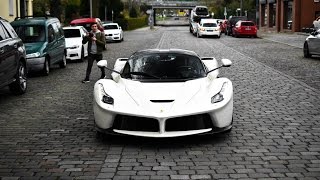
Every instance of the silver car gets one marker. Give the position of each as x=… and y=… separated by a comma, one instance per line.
x=312, y=44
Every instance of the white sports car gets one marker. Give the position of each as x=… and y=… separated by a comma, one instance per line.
x=163, y=93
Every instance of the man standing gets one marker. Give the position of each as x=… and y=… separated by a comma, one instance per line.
x=96, y=45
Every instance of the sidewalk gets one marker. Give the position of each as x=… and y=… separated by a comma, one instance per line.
x=292, y=39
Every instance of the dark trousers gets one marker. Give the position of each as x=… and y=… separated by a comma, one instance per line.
x=91, y=58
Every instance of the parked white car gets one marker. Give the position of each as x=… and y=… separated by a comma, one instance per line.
x=113, y=32
x=208, y=27
x=75, y=49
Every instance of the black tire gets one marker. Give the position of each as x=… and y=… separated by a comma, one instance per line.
x=19, y=86
x=82, y=55
x=306, y=52
x=46, y=67
x=63, y=63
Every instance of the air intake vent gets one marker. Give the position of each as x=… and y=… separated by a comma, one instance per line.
x=161, y=101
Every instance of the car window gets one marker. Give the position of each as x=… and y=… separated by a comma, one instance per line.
x=11, y=31
x=209, y=25
x=201, y=11
x=51, y=35
x=87, y=26
x=3, y=33
x=31, y=33
x=56, y=27
x=106, y=27
x=247, y=24
x=164, y=66
x=71, y=33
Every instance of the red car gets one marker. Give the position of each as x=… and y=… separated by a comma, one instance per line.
x=87, y=22
x=245, y=28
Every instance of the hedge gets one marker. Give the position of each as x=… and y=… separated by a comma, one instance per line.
x=133, y=23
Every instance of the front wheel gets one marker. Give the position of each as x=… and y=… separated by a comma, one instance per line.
x=19, y=86
x=306, y=52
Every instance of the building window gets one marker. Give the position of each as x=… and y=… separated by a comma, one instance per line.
x=273, y=14
x=10, y=7
x=287, y=15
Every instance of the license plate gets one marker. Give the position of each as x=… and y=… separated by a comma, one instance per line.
x=209, y=30
x=248, y=28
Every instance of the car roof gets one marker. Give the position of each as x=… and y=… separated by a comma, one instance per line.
x=164, y=51
x=84, y=20
x=209, y=20
x=34, y=21
x=73, y=27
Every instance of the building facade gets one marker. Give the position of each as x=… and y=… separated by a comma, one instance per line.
x=287, y=15
x=11, y=9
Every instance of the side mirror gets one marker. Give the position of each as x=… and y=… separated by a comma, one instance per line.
x=102, y=63
x=226, y=62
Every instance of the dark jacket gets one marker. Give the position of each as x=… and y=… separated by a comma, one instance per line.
x=101, y=42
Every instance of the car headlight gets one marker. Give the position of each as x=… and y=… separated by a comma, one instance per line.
x=74, y=47
x=33, y=55
x=219, y=96
x=106, y=98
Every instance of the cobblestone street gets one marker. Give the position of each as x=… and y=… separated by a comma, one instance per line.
x=48, y=133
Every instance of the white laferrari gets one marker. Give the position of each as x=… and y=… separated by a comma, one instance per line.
x=164, y=93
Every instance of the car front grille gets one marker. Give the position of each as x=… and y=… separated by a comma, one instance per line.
x=195, y=122
x=131, y=123
x=187, y=123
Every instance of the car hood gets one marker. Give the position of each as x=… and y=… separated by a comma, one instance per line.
x=111, y=31
x=167, y=97
x=34, y=47
x=73, y=41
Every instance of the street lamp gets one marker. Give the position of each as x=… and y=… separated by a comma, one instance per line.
x=90, y=8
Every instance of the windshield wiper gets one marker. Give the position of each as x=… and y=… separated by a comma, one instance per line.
x=142, y=74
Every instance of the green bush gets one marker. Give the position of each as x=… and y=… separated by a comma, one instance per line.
x=133, y=23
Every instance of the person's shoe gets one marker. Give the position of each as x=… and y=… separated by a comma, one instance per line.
x=85, y=81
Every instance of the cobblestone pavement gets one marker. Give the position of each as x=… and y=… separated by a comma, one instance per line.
x=293, y=39
x=48, y=132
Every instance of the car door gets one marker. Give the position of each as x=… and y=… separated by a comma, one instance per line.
x=60, y=40
x=52, y=48
x=8, y=48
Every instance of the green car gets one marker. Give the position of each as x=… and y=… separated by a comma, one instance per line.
x=44, y=41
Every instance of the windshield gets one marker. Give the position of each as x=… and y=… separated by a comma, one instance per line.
x=201, y=11
x=209, y=25
x=87, y=26
x=163, y=67
x=106, y=27
x=71, y=33
x=31, y=33
x=247, y=23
